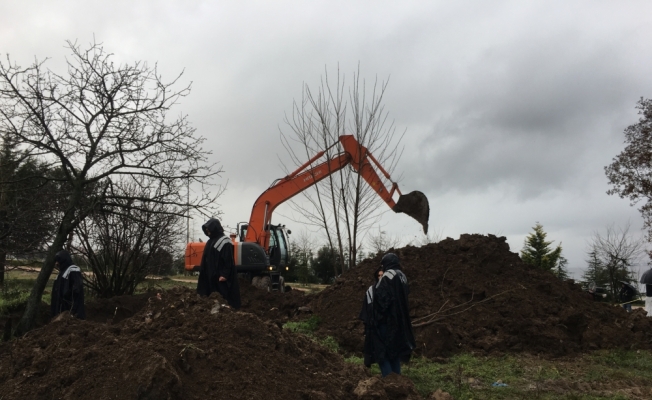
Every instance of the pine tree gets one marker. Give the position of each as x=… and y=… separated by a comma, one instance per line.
x=27, y=205
x=595, y=273
x=560, y=270
x=537, y=251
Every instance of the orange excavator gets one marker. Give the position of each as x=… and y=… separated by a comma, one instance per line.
x=261, y=250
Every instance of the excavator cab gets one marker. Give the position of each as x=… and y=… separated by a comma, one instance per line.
x=279, y=244
x=279, y=256
x=279, y=249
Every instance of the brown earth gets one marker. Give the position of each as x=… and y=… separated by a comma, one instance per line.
x=177, y=346
x=472, y=293
x=480, y=297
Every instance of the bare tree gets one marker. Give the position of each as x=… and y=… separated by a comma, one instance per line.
x=613, y=255
x=122, y=244
x=630, y=173
x=382, y=241
x=101, y=124
x=343, y=206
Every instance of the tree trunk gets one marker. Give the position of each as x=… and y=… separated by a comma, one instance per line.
x=67, y=225
x=34, y=300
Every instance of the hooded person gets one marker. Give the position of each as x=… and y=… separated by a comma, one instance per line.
x=217, y=272
x=626, y=295
x=367, y=316
x=68, y=288
x=392, y=317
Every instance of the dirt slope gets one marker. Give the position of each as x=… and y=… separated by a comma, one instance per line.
x=180, y=346
x=488, y=300
x=175, y=347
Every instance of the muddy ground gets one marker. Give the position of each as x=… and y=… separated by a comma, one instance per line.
x=177, y=346
x=474, y=294
x=470, y=294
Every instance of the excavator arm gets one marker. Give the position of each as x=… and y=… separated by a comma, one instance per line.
x=414, y=204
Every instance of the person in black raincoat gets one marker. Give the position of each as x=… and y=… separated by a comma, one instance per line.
x=68, y=288
x=626, y=295
x=217, y=272
x=367, y=317
x=392, y=317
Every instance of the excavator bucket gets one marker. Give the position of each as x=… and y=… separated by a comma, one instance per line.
x=415, y=204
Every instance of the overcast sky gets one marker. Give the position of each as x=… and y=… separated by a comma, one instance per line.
x=511, y=108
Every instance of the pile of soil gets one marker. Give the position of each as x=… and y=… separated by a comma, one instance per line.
x=273, y=306
x=480, y=297
x=177, y=346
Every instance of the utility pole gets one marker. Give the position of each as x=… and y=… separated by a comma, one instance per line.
x=188, y=211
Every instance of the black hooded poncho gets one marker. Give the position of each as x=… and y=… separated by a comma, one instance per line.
x=217, y=261
x=68, y=288
x=391, y=309
x=371, y=334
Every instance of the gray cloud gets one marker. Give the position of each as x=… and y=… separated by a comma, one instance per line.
x=511, y=108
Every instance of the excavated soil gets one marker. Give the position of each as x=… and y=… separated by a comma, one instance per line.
x=176, y=346
x=470, y=294
x=476, y=295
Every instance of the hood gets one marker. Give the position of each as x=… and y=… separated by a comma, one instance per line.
x=376, y=273
x=64, y=260
x=214, y=226
x=390, y=261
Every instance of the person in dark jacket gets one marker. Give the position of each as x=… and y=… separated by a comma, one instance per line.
x=68, y=288
x=217, y=272
x=392, y=317
x=648, y=300
x=367, y=317
x=626, y=295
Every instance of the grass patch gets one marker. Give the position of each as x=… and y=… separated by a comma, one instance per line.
x=308, y=328
x=329, y=342
x=13, y=294
x=602, y=375
x=163, y=284
x=310, y=288
x=16, y=289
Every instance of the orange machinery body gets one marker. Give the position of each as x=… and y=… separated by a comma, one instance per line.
x=354, y=154
x=247, y=257
x=258, y=231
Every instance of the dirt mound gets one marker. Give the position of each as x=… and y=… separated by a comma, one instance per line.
x=178, y=346
x=394, y=387
x=474, y=294
x=273, y=306
x=9, y=321
x=117, y=308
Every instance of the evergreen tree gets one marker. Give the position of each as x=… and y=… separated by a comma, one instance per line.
x=299, y=266
x=595, y=273
x=561, y=270
x=323, y=264
x=28, y=204
x=538, y=253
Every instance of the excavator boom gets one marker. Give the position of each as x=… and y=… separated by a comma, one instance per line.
x=414, y=204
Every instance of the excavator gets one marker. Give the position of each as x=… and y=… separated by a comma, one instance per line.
x=261, y=250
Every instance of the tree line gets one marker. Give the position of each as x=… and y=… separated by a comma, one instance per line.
x=613, y=254
x=92, y=161
x=93, y=154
